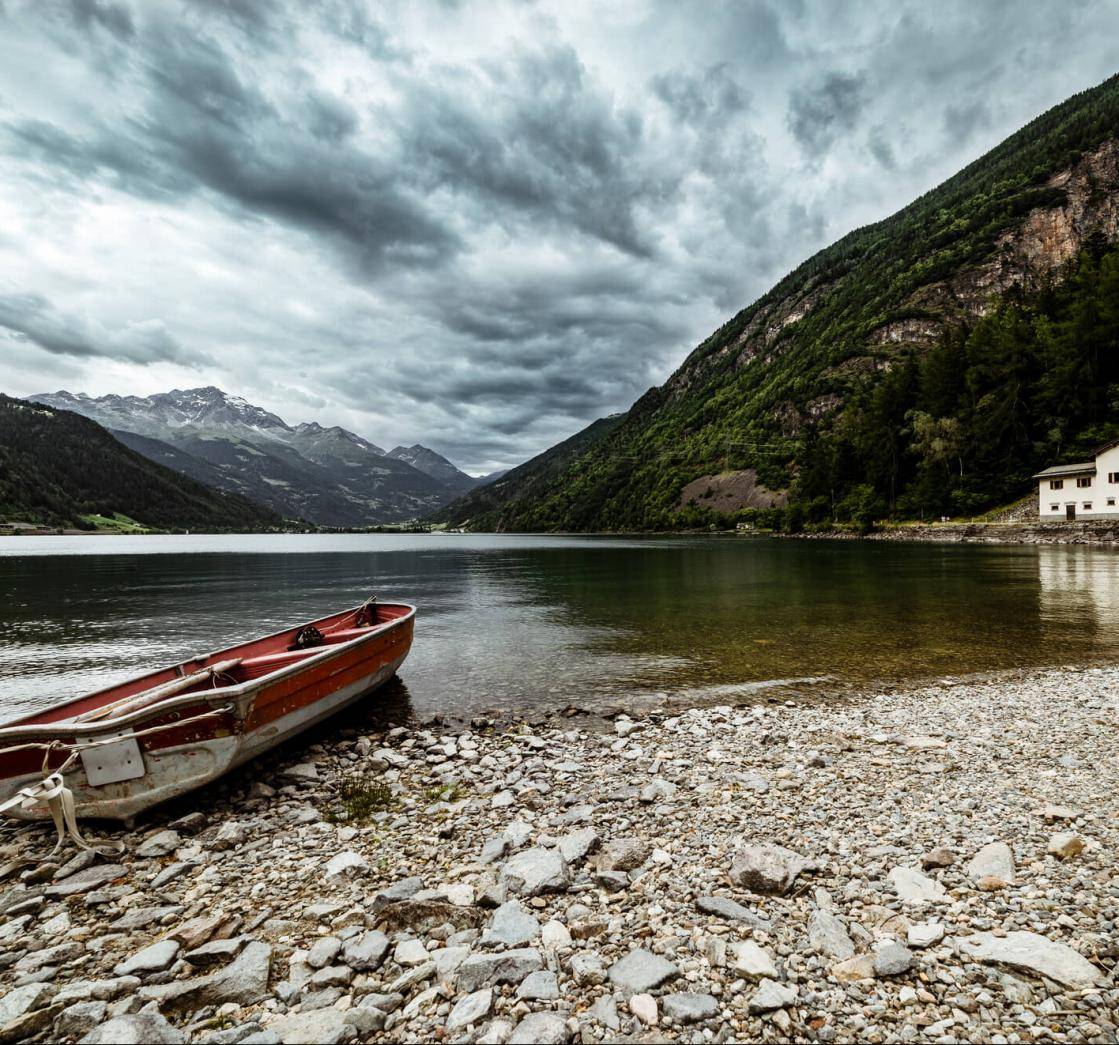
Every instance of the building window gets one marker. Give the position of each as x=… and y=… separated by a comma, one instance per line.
x=1056, y=484
x=1057, y=507
x=1111, y=502
x=1084, y=481
x=1087, y=506
x=1113, y=477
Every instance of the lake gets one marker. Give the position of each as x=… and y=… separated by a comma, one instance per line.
x=516, y=622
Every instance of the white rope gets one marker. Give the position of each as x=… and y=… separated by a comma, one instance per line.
x=59, y=798
x=60, y=801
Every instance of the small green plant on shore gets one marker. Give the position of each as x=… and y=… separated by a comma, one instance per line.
x=359, y=798
x=444, y=793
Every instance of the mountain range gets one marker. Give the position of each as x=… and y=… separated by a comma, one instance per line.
x=63, y=470
x=325, y=475
x=923, y=365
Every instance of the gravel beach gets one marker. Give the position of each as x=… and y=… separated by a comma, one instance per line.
x=930, y=865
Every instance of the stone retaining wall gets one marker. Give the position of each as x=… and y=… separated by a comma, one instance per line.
x=1099, y=532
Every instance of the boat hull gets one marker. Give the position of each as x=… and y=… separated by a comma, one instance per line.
x=193, y=740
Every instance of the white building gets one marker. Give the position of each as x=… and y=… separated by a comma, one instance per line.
x=1086, y=490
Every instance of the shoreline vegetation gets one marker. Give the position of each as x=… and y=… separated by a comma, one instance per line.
x=1096, y=532
x=934, y=863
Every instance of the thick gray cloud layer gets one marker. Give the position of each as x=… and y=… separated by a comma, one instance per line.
x=475, y=225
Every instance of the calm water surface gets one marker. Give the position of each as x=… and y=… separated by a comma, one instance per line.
x=522, y=621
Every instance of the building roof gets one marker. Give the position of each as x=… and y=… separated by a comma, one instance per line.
x=1081, y=468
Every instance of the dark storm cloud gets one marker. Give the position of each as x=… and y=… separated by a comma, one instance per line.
x=116, y=18
x=551, y=150
x=475, y=225
x=205, y=126
x=33, y=318
x=822, y=110
x=714, y=95
x=962, y=121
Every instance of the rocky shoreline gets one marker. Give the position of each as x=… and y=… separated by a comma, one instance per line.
x=936, y=864
x=1097, y=532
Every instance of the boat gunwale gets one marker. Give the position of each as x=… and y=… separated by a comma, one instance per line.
x=218, y=695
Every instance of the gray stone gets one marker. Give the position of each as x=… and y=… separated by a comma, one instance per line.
x=892, y=959
x=731, y=910
x=84, y=881
x=772, y=995
x=22, y=1000
x=910, y=884
x=323, y=951
x=751, y=961
x=320, y=1027
x=366, y=951
x=216, y=952
x=1065, y=845
x=536, y=871
x=587, y=969
x=142, y=917
x=496, y=1032
x=493, y=849
x=154, y=958
x=925, y=934
x=511, y=926
x=827, y=935
x=605, y=1011
x=1026, y=950
x=623, y=854
x=539, y=986
x=190, y=824
x=140, y=1028
x=578, y=844
x=470, y=1009
x=161, y=844
x=689, y=1008
x=488, y=970
x=80, y=1018
x=244, y=981
x=641, y=971
x=230, y=835
x=767, y=869
x=613, y=881
x=996, y=860
x=170, y=873
x=301, y=773
x=541, y=1028
x=346, y=865
x=410, y=952
x=405, y=889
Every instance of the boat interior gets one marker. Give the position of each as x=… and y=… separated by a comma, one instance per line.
x=226, y=667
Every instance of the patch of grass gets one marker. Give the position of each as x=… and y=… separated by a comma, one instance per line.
x=445, y=793
x=358, y=799
x=116, y=523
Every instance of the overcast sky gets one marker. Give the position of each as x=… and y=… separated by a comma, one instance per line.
x=474, y=225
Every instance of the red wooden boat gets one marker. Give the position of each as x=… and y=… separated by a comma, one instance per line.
x=124, y=749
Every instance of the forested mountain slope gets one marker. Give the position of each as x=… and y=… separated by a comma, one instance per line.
x=56, y=466
x=925, y=364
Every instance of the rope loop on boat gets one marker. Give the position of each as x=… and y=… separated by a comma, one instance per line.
x=59, y=799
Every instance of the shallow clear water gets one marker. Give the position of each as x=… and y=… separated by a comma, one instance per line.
x=524, y=621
